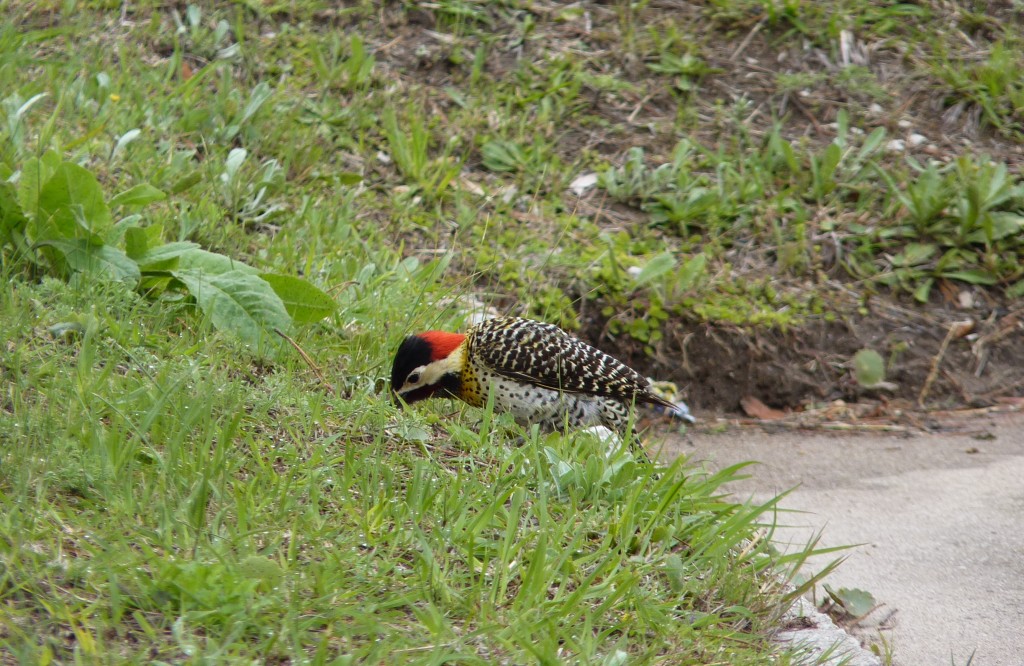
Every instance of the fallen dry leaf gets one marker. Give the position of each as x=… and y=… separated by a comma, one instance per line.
x=757, y=409
x=961, y=328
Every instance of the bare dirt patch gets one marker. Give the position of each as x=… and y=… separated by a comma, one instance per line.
x=978, y=364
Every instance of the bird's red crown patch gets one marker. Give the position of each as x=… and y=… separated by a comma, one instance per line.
x=442, y=343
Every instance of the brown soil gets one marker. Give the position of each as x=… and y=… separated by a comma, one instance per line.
x=974, y=359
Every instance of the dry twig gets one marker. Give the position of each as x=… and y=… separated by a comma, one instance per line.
x=956, y=330
x=309, y=361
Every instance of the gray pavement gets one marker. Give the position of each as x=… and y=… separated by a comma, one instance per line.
x=940, y=517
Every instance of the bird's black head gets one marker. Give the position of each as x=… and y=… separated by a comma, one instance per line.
x=413, y=353
x=421, y=368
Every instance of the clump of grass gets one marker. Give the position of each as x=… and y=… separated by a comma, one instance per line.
x=992, y=84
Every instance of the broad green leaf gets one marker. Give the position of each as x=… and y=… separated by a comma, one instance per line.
x=856, y=602
x=239, y=302
x=431, y=271
x=154, y=235
x=655, y=268
x=924, y=290
x=260, y=94
x=868, y=368
x=1016, y=290
x=305, y=303
x=135, y=242
x=116, y=234
x=972, y=276
x=66, y=329
x=998, y=189
x=164, y=257
x=11, y=216
x=185, y=182
x=1003, y=224
x=140, y=195
x=823, y=169
x=871, y=144
x=414, y=433
x=232, y=164
x=914, y=254
x=348, y=178
x=34, y=175
x=189, y=256
x=261, y=568
x=691, y=271
x=212, y=262
x=71, y=205
x=502, y=156
x=140, y=240
x=84, y=256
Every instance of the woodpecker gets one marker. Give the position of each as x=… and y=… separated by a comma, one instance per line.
x=537, y=371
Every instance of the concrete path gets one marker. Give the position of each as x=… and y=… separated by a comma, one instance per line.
x=941, y=518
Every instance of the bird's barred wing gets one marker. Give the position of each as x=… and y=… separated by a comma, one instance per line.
x=545, y=355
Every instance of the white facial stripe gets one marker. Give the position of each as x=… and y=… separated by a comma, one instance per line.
x=412, y=386
x=431, y=373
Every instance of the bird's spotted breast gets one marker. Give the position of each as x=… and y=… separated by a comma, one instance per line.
x=551, y=409
x=472, y=391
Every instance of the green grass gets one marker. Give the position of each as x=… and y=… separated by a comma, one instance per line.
x=166, y=498
x=170, y=492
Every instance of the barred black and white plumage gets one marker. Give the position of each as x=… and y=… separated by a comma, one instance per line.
x=536, y=371
x=544, y=355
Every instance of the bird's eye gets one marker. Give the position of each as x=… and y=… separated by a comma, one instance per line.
x=414, y=378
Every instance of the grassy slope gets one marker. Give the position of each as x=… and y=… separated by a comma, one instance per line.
x=164, y=498
x=167, y=495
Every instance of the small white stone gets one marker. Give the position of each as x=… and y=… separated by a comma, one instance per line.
x=916, y=139
x=904, y=124
x=896, y=146
x=583, y=183
x=876, y=109
x=508, y=193
x=852, y=129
